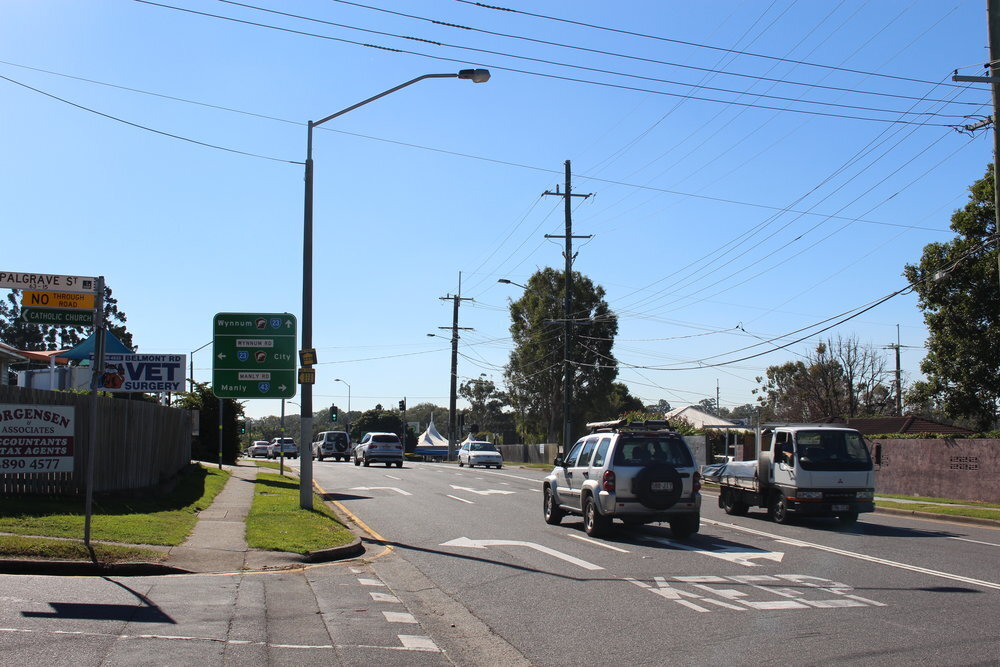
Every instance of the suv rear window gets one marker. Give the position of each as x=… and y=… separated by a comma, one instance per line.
x=336, y=437
x=386, y=438
x=642, y=450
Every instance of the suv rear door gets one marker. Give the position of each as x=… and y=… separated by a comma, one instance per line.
x=579, y=472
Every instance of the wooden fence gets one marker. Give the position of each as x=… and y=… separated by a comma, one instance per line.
x=139, y=444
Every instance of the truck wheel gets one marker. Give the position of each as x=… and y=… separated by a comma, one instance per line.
x=685, y=526
x=594, y=523
x=779, y=508
x=848, y=518
x=553, y=513
x=732, y=506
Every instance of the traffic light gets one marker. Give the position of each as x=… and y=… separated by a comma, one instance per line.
x=333, y=413
x=402, y=405
x=243, y=428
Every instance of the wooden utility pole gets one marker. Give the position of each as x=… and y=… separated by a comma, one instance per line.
x=453, y=395
x=567, y=306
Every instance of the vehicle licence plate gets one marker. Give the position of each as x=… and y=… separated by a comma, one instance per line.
x=840, y=508
x=661, y=486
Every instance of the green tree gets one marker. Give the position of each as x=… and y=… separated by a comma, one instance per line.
x=486, y=403
x=38, y=337
x=376, y=419
x=534, y=373
x=839, y=378
x=957, y=284
x=617, y=402
x=660, y=407
x=205, y=446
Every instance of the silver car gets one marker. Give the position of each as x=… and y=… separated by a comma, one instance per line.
x=639, y=472
x=474, y=453
x=283, y=447
x=332, y=444
x=380, y=448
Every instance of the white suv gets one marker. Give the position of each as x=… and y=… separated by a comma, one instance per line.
x=639, y=472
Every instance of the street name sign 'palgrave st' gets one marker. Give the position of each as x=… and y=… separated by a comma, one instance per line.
x=253, y=355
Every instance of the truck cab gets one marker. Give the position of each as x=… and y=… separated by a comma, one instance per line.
x=816, y=469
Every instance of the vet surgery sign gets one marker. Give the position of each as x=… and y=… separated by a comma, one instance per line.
x=36, y=438
x=143, y=372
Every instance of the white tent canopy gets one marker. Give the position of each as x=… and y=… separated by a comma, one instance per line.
x=431, y=437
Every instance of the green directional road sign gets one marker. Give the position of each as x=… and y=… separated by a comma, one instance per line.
x=68, y=316
x=253, y=355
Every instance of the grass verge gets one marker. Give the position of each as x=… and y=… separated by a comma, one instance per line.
x=277, y=523
x=946, y=501
x=945, y=510
x=163, y=520
x=38, y=548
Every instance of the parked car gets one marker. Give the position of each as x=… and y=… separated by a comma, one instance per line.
x=380, y=448
x=258, y=448
x=333, y=444
x=475, y=453
x=283, y=447
x=639, y=472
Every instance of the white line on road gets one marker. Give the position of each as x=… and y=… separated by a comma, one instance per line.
x=487, y=492
x=740, y=555
x=398, y=479
x=482, y=544
x=462, y=500
x=377, y=488
x=859, y=556
x=600, y=544
x=965, y=539
x=399, y=617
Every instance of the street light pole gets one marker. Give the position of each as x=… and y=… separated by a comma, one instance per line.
x=348, y=420
x=305, y=472
x=191, y=363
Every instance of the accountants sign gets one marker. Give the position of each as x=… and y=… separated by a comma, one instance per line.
x=36, y=438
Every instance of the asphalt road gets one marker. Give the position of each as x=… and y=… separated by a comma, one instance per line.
x=889, y=590
x=474, y=576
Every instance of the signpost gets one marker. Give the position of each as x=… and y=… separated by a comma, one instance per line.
x=36, y=438
x=57, y=299
x=253, y=355
x=46, y=281
x=62, y=316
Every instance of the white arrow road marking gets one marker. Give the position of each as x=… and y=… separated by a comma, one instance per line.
x=376, y=488
x=739, y=555
x=482, y=544
x=482, y=493
x=463, y=500
x=859, y=556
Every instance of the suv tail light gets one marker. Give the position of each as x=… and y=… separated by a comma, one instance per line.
x=608, y=481
x=696, y=484
x=372, y=445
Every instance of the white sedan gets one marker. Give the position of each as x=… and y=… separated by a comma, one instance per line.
x=474, y=453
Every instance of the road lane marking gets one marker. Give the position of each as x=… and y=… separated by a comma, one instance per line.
x=739, y=555
x=462, y=500
x=381, y=488
x=370, y=582
x=418, y=643
x=965, y=539
x=600, y=544
x=482, y=544
x=486, y=492
x=399, y=617
x=384, y=597
x=859, y=556
x=398, y=479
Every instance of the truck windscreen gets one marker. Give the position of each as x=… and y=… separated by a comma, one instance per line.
x=832, y=450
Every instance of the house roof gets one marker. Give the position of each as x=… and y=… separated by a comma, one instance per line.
x=8, y=353
x=43, y=356
x=698, y=418
x=904, y=424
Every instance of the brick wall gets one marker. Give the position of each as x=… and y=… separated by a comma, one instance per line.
x=964, y=469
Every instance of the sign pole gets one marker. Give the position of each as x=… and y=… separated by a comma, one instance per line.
x=97, y=367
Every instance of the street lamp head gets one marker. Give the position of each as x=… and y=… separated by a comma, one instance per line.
x=475, y=75
x=504, y=281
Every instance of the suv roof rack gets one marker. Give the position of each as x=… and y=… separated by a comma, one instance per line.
x=625, y=425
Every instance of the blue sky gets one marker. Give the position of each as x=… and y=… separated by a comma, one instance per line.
x=757, y=168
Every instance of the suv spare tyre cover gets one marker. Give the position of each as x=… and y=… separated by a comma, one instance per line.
x=660, y=499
